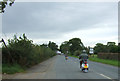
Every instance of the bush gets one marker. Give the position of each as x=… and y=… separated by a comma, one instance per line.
x=77, y=53
x=10, y=69
x=24, y=52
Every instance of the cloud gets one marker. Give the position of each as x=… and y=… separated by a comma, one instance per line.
x=53, y=20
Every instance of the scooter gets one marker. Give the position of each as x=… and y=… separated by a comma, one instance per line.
x=85, y=66
x=66, y=58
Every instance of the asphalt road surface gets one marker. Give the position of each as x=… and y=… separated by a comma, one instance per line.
x=59, y=68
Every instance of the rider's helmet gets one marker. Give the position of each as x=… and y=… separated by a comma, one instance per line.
x=84, y=51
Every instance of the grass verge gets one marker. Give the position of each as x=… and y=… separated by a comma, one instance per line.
x=73, y=56
x=8, y=69
x=104, y=61
x=15, y=68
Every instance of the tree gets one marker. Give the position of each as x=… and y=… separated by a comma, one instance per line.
x=53, y=46
x=4, y=3
x=64, y=47
x=75, y=44
x=112, y=48
x=109, y=48
x=100, y=48
x=110, y=43
x=77, y=52
x=18, y=47
x=24, y=52
x=44, y=45
x=72, y=45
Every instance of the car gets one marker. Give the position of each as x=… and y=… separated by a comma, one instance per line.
x=59, y=53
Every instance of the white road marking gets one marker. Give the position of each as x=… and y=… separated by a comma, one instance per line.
x=106, y=76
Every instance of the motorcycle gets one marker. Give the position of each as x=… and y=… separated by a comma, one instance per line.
x=66, y=58
x=85, y=66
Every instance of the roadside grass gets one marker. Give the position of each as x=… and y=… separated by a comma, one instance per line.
x=73, y=56
x=11, y=69
x=93, y=55
x=104, y=61
x=14, y=68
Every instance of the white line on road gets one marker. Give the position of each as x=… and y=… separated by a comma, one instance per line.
x=106, y=76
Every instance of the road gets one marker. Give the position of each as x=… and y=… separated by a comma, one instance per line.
x=59, y=68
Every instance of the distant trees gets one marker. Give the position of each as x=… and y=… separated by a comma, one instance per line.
x=75, y=44
x=71, y=46
x=53, y=46
x=99, y=48
x=112, y=47
x=64, y=47
x=109, y=48
x=44, y=45
x=74, y=47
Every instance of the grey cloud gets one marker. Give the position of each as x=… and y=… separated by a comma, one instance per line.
x=50, y=19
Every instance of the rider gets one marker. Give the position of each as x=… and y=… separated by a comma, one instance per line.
x=82, y=57
x=66, y=56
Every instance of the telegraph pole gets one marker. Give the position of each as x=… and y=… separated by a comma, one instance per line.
x=6, y=48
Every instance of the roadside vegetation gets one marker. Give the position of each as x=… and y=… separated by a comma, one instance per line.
x=109, y=52
x=11, y=69
x=22, y=54
x=105, y=61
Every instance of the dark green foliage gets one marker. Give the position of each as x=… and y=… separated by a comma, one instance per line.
x=64, y=47
x=15, y=68
x=24, y=52
x=75, y=44
x=53, y=46
x=72, y=46
x=4, y=3
x=44, y=45
x=110, y=43
x=20, y=49
x=109, y=48
x=77, y=52
x=100, y=48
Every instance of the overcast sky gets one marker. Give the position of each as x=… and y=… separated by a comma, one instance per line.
x=92, y=22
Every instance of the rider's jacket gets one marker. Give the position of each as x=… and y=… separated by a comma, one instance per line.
x=83, y=56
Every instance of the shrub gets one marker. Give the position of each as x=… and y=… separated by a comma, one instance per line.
x=77, y=53
x=24, y=52
x=10, y=69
